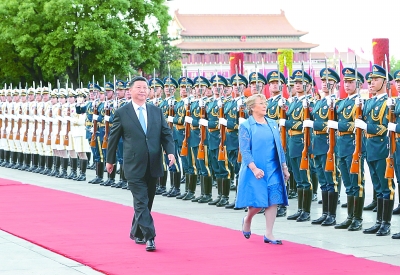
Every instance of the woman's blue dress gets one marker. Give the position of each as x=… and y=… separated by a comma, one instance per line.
x=258, y=143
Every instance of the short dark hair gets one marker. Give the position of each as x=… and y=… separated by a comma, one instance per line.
x=137, y=78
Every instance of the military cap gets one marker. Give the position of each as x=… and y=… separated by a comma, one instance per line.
x=239, y=78
x=72, y=93
x=202, y=81
x=31, y=91
x=332, y=74
x=94, y=87
x=297, y=76
x=8, y=92
x=62, y=93
x=378, y=71
x=84, y=92
x=254, y=77
x=185, y=81
x=368, y=77
x=119, y=85
x=23, y=92
x=15, y=92
x=169, y=81
x=218, y=79
x=54, y=93
x=45, y=91
x=156, y=82
x=273, y=76
x=109, y=86
x=290, y=81
x=396, y=75
x=350, y=74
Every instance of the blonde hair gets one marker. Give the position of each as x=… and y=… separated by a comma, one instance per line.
x=251, y=100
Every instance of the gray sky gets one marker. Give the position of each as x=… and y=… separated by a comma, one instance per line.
x=342, y=24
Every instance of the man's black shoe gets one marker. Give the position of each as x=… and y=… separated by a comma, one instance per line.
x=150, y=245
x=139, y=241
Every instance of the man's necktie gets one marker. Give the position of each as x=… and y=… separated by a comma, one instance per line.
x=141, y=119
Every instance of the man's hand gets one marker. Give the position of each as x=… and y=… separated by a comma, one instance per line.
x=171, y=158
x=109, y=167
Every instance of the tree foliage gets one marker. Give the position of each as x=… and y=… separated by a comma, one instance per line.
x=394, y=64
x=45, y=40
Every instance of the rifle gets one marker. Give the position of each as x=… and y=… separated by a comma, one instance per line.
x=184, y=150
x=330, y=163
x=241, y=110
x=66, y=137
x=221, y=150
x=59, y=126
x=355, y=162
x=50, y=125
x=41, y=140
x=93, y=139
x=28, y=112
x=389, y=172
x=282, y=111
x=201, y=152
x=304, y=165
x=107, y=128
x=11, y=136
x=34, y=137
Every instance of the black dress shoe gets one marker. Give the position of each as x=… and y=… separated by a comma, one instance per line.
x=396, y=236
x=139, y=241
x=150, y=245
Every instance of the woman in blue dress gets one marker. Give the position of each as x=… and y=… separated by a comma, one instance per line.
x=263, y=171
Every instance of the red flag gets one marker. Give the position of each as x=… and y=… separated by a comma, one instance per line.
x=342, y=92
x=336, y=52
x=350, y=50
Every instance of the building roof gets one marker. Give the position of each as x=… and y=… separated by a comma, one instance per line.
x=228, y=46
x=235, y=24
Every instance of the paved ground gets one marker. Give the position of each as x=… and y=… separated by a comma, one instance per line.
x=21, y=257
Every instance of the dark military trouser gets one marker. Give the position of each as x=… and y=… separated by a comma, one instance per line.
x=354, y=183
x=302, y=177
x=327, y=180
x=202, y=165
x=384, y=188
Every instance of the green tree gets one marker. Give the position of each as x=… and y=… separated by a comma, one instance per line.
x=394, y=64
x=46, y=40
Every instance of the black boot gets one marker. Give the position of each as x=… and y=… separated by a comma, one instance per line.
x=350, y=214
x=192, y=188
x=372, y=205
x=379, y=211
x=13, y=162
x=41, y=164
x=201, y=178
x=56, y=170
x=332, y=206
x=27, y=162
x=280, y=211
x=183, y=179
x=23, y=162
x=182, y=195
x=171, y=184
x=356, y=224
x=208, y=183
x=35, y=163
x=219, y=187
x=111, y=177
x=64, y=168
x=96, y=177
x=108, y=179
x=6, y=159
x=1, y=156
x=305, y=214
x=18, y=161
x=82, y=175
x=74, y=168
x=384, y=230
x=226, y=188
x=324, y=209
x=99, y=173
x=300, y=197
x=396, y=211
x=163, y=184
x=176, y=191
x=314, y=182
x=232, y=205
x=89, y=158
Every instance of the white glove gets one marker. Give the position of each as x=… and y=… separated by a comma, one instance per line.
x=391, y=126
x=67, y=118
x=106, y=118
x=281, y=102
x=359, y=101
x=186, y=101
x=95, y=117
x=241, y=120
x=170, y=119
x=305, y=103
x=201, y=102
x=390, y=102
x=223, y=121
x=91, y=130
x=329, y=101
x=358, y=123
x=333, y=124
x=79, y=100
x=203, y=122
x=171, y=101
x=219, y=103
x=239, y=102
x=308, y=123
x=188, y=119
x=282, y=122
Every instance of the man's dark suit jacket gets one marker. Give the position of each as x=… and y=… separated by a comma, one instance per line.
x=140, y=148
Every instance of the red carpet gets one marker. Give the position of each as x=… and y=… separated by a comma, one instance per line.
x=96, y=233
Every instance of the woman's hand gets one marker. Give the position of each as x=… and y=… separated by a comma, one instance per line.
x=258, y=173
x=286, y=174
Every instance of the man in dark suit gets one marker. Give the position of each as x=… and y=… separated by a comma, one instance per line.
x=145, y=135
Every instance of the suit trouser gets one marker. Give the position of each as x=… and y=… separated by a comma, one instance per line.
x=143, y=191
x=302, y=177
x=354, y=183
x=120, y=151
x=327, y=180
x=384, y=188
